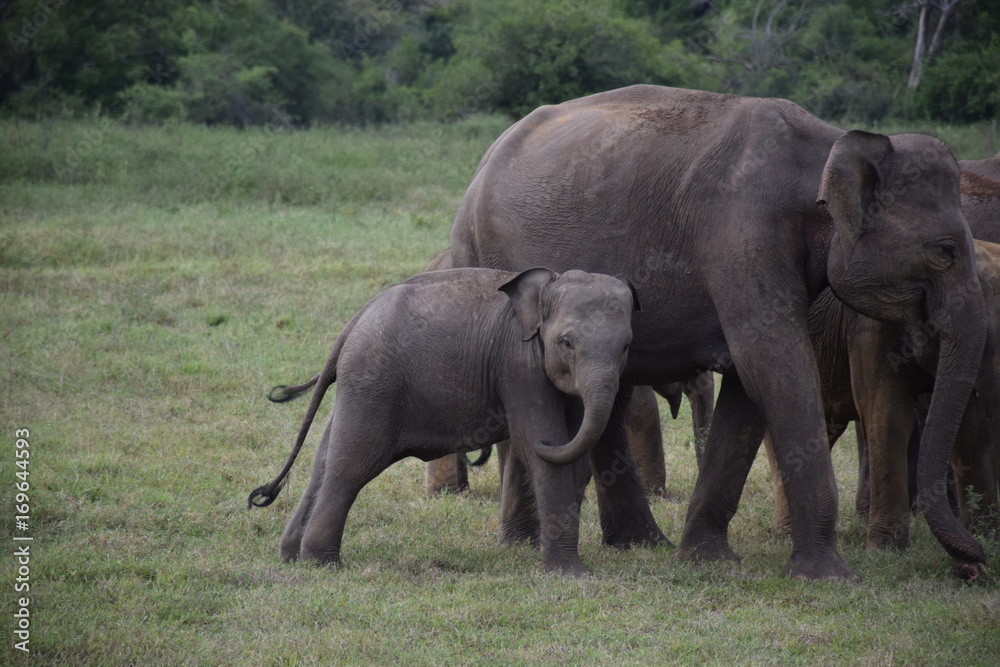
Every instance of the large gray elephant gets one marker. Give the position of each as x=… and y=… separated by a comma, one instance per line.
x=731, y=215
x=450, y=361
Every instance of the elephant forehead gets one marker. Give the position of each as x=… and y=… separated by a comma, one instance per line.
x=590, y=316
x=590, y=296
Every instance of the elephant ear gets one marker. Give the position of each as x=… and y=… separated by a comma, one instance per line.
x=524, y=291
x=636, y=308
x=853, y=172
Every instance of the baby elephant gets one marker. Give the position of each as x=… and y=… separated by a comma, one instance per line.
x=455, y=360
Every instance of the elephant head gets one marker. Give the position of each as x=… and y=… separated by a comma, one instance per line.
x=902, y=252
x=583, y=322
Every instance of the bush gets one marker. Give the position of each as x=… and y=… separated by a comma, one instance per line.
x=962, y=87
x=549, y=52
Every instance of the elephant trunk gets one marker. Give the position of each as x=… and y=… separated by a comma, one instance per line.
x=598, y=391
x=960, y=355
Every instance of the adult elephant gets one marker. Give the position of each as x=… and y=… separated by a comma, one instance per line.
x=980, y=188
x=879, y=374
x=731, y=214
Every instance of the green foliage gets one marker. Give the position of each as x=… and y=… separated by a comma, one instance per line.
x=548, y=52
x=963, y=86
x=259, y=62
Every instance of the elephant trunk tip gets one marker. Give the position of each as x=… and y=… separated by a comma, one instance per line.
x=263, y=496
x=969, y=572
x=557, y=454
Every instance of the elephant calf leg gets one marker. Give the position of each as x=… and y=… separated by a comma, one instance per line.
x=349, y=467
x=291, y=539
x=518, y=512
x=626, y=518
x=448, y=473
x=559, y=512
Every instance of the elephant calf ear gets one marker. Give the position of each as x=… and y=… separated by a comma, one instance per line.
x=636, y=308
x=524, y=291
x=853, y=171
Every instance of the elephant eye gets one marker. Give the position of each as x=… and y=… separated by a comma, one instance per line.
x=566, y=343
x=942, y=253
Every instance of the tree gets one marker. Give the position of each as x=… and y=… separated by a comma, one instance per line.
x=946, y=9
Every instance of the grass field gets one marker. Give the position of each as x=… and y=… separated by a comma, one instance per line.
x=154, y=283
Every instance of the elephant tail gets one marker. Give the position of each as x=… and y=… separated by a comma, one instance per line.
x=264, y=495
x=484, y=456
x=284, y=392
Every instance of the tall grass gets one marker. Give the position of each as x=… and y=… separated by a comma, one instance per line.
x=146, y=308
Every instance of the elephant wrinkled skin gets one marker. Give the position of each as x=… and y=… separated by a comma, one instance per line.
x=426, y=365
x=731, y=215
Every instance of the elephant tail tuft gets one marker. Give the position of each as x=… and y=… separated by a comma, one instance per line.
x=284, y=392
x=484, y=456
x=263, y=496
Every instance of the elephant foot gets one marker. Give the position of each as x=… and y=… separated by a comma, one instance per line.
x=320, y=556
x=290, y=548
x=453, y=489
x=831, y=567
x=969, y=571
x=663, y=494
x=704, y=550
x=893, y=540
x=783, y=528
x=572, y=567
x=645, y=535
x=511, y=538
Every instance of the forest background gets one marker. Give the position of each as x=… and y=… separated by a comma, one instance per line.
x=306, y=62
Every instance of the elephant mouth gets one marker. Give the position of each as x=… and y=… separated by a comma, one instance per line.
x=908, y=304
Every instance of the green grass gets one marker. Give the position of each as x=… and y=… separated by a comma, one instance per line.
x=145, y=309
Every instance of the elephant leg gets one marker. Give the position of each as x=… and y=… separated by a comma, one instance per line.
x=556, y=492
x=862, y=497
x=737, y=429
x=792, y=403
x=353, y=459
x=448, y=473
x=291, y=539
x=626, y=518
x=645, y=440
x=700, y=391
x=782, y=516
x=518, y=510
x=887, y=419
x=972, y=467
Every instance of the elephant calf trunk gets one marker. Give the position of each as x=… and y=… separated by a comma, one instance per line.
x=597, y=405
